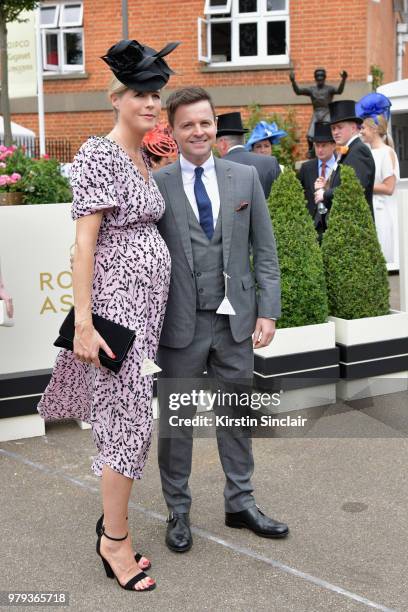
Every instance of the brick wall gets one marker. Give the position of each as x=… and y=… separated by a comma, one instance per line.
x=340, y=34
x=381, y=38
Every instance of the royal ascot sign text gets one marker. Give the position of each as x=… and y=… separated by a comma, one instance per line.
x=35, y=246
x=53, y=286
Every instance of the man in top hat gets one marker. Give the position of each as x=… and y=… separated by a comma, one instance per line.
x=230, y=145
x=321, y=167
x=345, y=127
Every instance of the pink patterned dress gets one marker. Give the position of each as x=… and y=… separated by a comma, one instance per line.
x=130, y=287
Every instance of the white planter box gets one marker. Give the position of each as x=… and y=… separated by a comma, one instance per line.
x=373, y=355
x=371, y=329
x=303, y=361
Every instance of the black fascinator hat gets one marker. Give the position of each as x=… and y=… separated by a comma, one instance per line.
x=139, y=67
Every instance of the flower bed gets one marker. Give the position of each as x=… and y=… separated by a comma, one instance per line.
x=39, y=181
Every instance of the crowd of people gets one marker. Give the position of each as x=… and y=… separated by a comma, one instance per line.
x=186, y=257
x=340, y=140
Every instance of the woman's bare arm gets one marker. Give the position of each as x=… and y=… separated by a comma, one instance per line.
x=87, y=341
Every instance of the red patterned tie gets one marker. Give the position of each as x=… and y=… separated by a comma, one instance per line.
x=323, y=170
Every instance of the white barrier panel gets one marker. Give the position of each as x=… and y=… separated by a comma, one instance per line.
x=35, y=245
x=402, y=191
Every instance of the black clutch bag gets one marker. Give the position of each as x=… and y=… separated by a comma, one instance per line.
x=118, y=338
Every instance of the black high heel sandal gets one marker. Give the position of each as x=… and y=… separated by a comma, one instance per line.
x=129, y=586
x=138, y=556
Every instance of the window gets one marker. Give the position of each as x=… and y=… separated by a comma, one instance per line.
x=244, y=32
x=62, y=37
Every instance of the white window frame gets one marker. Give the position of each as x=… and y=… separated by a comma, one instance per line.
x=57, y=11
x=71, y=67
x=76, y=23
x=262, y=17
x=217, y=10
x=60, y=30
x=50, y=67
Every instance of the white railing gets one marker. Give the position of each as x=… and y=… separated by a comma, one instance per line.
x=402, y=191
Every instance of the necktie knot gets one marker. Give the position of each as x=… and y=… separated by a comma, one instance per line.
x=198, y=171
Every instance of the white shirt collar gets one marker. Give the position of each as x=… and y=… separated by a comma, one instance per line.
x=189, y=168
x=352, y=139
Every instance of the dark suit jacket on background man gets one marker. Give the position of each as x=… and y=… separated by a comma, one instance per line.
x=359, y=157
x=267, y=166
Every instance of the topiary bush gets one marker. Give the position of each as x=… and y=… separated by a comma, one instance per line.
x=355, y=268
x=304, y=298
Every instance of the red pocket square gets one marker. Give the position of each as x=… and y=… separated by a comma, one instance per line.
x=242, y=205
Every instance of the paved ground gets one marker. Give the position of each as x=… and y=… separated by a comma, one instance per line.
x=345, y=499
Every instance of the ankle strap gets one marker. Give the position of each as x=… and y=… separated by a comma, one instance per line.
x=103, y=532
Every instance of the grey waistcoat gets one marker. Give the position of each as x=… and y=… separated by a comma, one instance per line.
x=208, y=263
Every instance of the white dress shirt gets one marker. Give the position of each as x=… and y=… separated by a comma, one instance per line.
x=209, y=178
x=330, y=165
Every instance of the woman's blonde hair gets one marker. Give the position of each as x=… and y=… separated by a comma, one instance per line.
x=118, y=88
x=381, y=125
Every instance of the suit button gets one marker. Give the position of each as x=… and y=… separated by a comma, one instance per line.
x=198, y=274
x=201, y=291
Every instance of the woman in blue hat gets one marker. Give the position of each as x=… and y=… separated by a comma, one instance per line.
x=263, y=136
x=374, y=108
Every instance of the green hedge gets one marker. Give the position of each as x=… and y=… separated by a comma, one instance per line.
x=304, y=299
x=355, y=268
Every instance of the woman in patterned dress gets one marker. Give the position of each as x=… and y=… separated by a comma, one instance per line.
x=121, y=271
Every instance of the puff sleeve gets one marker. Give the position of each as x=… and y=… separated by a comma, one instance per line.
x=92, y=179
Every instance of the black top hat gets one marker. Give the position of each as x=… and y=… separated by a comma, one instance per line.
x=138, y=66
x=230, y=123
x=322, y=133
x=343, y=110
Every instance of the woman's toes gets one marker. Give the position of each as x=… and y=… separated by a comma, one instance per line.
x=144, y=584
x=143, y=563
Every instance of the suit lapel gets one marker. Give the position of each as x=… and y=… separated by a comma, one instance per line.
x=178, y=200
x=224, y=179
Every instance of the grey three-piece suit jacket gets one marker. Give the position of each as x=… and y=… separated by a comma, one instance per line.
x=245, y=228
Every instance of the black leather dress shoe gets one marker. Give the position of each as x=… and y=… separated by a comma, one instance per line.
x=254, y=519
x=178, y=534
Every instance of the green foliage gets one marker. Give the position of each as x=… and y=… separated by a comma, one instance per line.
x=284, y=151
x=41, y=180
x=44, y=184
x=378, y=77
x=10, y=10
x=356, y=272
x=304, y=299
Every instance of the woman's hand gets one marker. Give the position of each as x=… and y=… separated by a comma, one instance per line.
x=88, y=342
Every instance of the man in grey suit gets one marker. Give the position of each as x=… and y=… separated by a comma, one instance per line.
x=215, y=210
x=230, y=145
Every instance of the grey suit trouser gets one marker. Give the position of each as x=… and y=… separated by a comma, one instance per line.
x=227, y=362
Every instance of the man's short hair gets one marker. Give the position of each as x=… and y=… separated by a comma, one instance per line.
x=185, y=96
x=233, y=139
